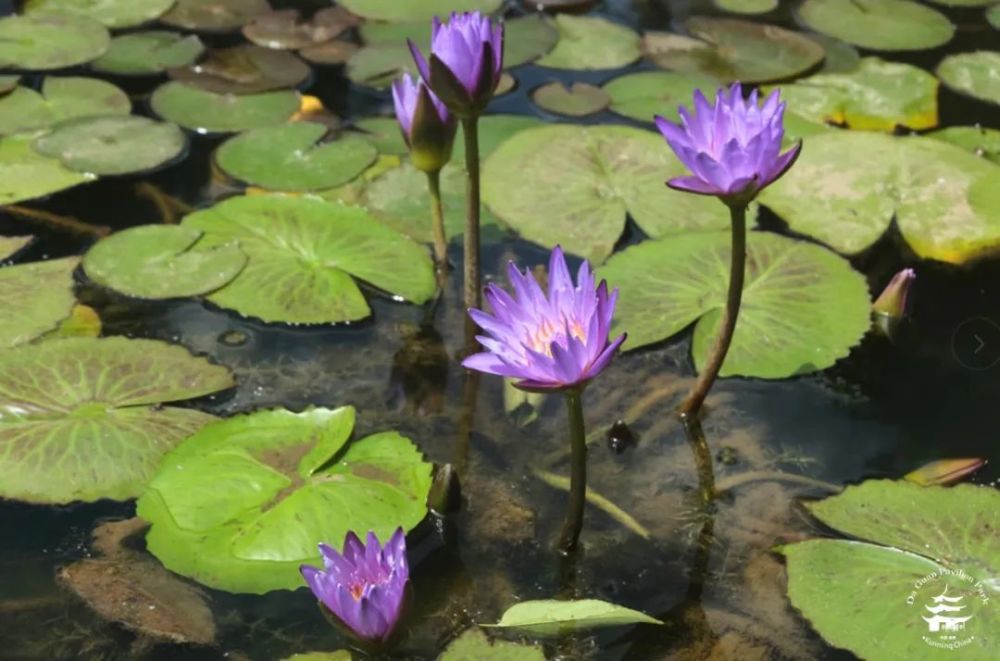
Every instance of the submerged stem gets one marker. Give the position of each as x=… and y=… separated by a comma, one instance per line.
x=437, y=212
x=692, y=403
x=470, y=128
x=702, y=457
x=55, y=221
x=573, y=523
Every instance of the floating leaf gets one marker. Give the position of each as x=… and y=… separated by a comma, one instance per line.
x=944, y=471
x=526, y=38
x=377, y=65
x=993, y=16
x=747, y=6
x=83, y=418
x=162, y=261
x=847, y=186
x=579, y=194
x=206, y=112
x=303, y=252
x=732, y=49
x=83, y=321
x=977, y=140
x=577, y=100
x=112, y=13
x=113, y=145
x=920, y=549
x=290, y=157
x=876, y=96
x=39, y=43
x=11, y=245
x=35, y=297
x=384, y=133
x=803, y=306
x=145, y=53
x=841, y=57
x=24, y=109
x=494, y=130
x=240, y=505
x=975, y=74
x=552, y=617
x=330, y=52
x=591, y=42
x=416, y=10
x=286, y=29
x=243, y=69
x=473, y=645
x=647, y=93
x=890, y=25
x=214, y=15
x=25, y=174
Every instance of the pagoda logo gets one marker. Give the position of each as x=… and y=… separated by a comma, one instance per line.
x=946, y=613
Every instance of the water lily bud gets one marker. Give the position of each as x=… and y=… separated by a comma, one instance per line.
x=428, y=128
x=890, y=306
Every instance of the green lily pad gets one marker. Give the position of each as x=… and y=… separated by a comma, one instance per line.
x=977, y=140
x=847, y=186
x=39, y=43
x=61, y=99
x=526, y=38
x=25, y=174
x=647, y=93
x=592, y=176
x=803, y=306
x=113, y=145
x=915, y=550
x=214, y=15
x=876, y=96
x=964, y=3
x=747, y=6
x=162, y=261
x=303, y=252
x=384, y=133
x=35, y=297
x=731, y=49
x=993, y=16
x=591, y=42
x=890, y=25
x=577, y=100
x=84, y=418
x=552, y=617
x=330, y=52
x=8, y=83
x=416, y=10
x=245, y=69
x=206, y=112
x=11, y=245
x=112, y=13
x=840, y=57
x=473, y=645
x=241, y=504
x=975, y=74
x=145, y=53
x=290, y=157
x=494, y=130
x=83, y=321
x=285, y=29
x=379, y=64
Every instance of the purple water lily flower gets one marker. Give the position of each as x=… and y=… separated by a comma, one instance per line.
x=553, y=342
x=428, y=127
x=364, y=587
x=733, y=149
x=465, y=63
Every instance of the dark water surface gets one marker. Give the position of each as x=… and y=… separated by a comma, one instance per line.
x=883, y=411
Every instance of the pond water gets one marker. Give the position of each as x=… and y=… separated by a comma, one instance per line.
x=884, y=410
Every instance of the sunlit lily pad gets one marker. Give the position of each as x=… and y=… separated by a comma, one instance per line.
x=847, y=186
x=416, y=10
x=285, y=29
x=112, y=13
x=84, y=418
x=245, y=69
x=591, y=42
x=975, y=74
x=303, y=253
x=577, y=100
x=890, y=25
x=11, y=245
x=647, y=93
x=473, y=645
x=206, y=112
x=24, y=109
x=526, y=38
x=384, y=133
x=747, y=6
x=25, y=174
x=290, y=157
x=591, y=177
x=214, y=15
x=977, y=140
x=732, y=49
x=803, y=306
x=377, y=65
x=39, y=43
x=113, y=145
x=909, y=548
x=162, y=261
x=35, y=297
x=144, y=53
x=840, y=56
x=553, y=617
x=240, y=505
x=876, y=96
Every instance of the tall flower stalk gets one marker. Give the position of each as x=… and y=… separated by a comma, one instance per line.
x=466, y=60
x=732, y=149
x=548, y=343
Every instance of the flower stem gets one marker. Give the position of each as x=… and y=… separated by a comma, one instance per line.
x=573, y=523
x=692, y=403
x=702, y=457
x=470, y=128
x=440, y=240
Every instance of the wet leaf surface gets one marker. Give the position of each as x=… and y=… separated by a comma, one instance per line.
x=146, y=53
x=552, y=617
x=590, y=42
x=890, y=25
x=25, y=174
x=214, y=15
x=40, y=43
x=577, y=100
x=243, y=70
x=473, y=645
x=206, y=112
x=35, y=296
x=975, y=74
x=645, y=94
x=60, y=99
x=112, y=13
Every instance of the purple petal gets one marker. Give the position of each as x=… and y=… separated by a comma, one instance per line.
x=420, y=61
x=694, y=185
x=781, y=166
x=673, y=134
